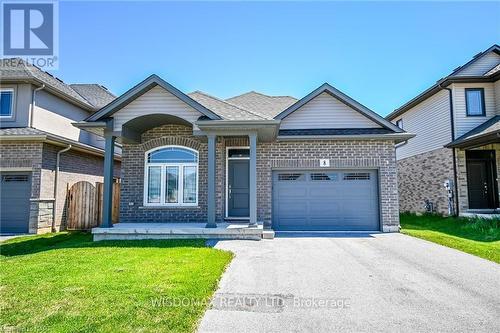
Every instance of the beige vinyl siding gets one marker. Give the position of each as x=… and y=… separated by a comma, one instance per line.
x=54, y=115
x=497, y=97
x=430, y=121
x=21, y=105
x=463, y=123
x=480, y=66
x=325, y=111
x=155, y=101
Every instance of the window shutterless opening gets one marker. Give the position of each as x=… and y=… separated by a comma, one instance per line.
x=171, y=177
x=15, y=178
x=474, y=102
x=357, y=176
x=6, y=102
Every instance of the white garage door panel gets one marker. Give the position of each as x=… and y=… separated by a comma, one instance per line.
x=325, y=200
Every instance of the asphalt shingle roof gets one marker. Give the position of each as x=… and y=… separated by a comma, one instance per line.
x=95, y=94
x=334, y=131
x=491, y=126
x=222, y=108
x=15, y=131
x=264, y=105
x=18, y=69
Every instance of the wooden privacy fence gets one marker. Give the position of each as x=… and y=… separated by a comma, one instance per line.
x=84, y=202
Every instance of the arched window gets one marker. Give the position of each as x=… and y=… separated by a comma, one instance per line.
x=171, y=177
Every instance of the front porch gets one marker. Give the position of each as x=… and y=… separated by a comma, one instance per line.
x=137, y=231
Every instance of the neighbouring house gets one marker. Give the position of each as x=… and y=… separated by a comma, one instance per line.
x=36, y=116
x=457, y=143
x=324, y=162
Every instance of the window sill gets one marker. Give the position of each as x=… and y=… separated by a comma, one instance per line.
x=169, y=207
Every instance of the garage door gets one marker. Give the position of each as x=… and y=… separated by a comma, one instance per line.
x=15, y=193
x=325, y=200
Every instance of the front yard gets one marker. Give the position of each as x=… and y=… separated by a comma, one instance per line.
x=66, y=283
x=479, y=237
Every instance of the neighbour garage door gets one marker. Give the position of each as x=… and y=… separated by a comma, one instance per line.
x=325, y=200
x=15, y=193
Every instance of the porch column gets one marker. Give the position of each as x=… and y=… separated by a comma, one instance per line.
x=253, y=179
x=211, y=182
x=107, y=201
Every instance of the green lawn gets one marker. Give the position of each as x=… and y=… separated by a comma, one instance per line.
x=479, y=237
x=66, y=283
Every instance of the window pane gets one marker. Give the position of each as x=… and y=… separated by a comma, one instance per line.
x=173, y=155
x=154, y=184
x=239, y=152
x=290, y=176
x=189, y=184
x=6, y=103
x=172, y=184
x=328, y=176
x=474, y=102
x=357, y=176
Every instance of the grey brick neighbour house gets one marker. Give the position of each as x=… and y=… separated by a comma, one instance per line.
x=456, y=122
x=324, y=162
x=37, y=112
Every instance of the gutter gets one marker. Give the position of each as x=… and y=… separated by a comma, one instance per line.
x=455, y=173
x=56, y=181
x=33, y=100
x=439, y=85
x=58, y=142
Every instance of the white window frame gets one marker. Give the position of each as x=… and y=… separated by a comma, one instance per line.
x=11, y=90
x=163, y=168
x=399, y=123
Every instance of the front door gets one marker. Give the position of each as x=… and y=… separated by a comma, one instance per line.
x=238, y=189
x=481, y=179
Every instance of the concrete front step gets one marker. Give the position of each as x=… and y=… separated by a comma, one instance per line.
x=136, y=231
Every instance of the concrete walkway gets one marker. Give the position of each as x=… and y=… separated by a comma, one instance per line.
x=4, y=237
x=354, y=283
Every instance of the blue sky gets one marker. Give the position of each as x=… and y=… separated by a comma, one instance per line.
x=380, y=53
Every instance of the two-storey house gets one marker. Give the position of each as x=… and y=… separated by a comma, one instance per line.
x=452, y=164
x=41, y=153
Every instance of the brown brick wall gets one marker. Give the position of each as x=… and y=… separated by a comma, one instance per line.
x=74, y=166
x=463, y=197
x=342, y=154
x=422, y=177
x=378, y=155
x=41, y=158
x=132, y=190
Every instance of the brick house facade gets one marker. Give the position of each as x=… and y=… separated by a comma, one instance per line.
x=40, y=159
x=378, y=155
x=336, y=156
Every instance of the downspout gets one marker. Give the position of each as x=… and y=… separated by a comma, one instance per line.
x=455, y=177
x=56, y=178
x=33, y=99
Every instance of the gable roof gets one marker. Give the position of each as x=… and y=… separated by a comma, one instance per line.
x=97, y=95
x=16, y=69
x=143, y=87
x=494, y=48
x=489, y=76
x=489, y=130
x=264, y=105
x=335, y=93
x=223, y=108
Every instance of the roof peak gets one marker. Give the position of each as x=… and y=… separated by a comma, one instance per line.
x=261, y=94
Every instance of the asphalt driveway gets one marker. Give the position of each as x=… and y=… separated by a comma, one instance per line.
x=354, y=283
